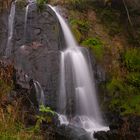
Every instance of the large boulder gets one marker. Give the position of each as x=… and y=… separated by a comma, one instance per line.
x=126, y=128
x=71, y=132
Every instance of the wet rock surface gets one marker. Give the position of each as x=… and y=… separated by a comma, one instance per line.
x=71, y=132
x=122, y=128
x=3, y=31
x=36, y=48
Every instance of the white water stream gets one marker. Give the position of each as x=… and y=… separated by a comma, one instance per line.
x=79, y=79
x=39, y=93
x=87, y=114
x=10, y=29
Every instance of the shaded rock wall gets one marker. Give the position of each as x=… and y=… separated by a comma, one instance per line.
x=37, y=51
x=3, y=30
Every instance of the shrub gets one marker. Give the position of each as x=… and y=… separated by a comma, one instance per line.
x=45, y=116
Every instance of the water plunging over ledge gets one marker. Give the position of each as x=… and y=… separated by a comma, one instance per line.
x=77, y=86
x=10, y=29
x=77, y=102
x=39, y=93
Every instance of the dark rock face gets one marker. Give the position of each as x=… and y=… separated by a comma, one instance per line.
x=71, y=133
x=36, y=48
x=3, y=31
x=127, y=128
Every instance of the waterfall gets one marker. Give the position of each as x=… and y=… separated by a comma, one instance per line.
x=39, y=93
x=77, y=81
x=70, y=40
x=30, y=2
x=62, y=97
x=25, y=20
x=10, y=29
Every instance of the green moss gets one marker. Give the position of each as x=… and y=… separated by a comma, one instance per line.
x=124, y=94
x=80, y=28
x=126, y=106
x=115, y=104
x=41, y=3
x=83, y=26
x=133, y=78
x=96, y=46
x=116, y=85
x=77, y=34
x=21, y=3
x=132, y=59
x=131, y=105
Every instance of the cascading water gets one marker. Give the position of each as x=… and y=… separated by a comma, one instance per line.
x=62, y=98
x=39, y=93
x=30, y=2
x=77, y=81
x=10, y=29
x=25, y=20
x=70, y=41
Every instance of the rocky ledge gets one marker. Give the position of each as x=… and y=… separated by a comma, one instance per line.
x=123, y=128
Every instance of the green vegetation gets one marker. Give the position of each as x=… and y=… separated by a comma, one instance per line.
x=41, y=3
x=96, y=46
x=110, y=18
x=124, y=90
x=126, y=106
x=132, y=59
x=112, y=50
x=77, y=4
x=12, y=125
x=133, y=79
x=45, y=116
x=79, y=28
x=21, y=3
x=5, y=88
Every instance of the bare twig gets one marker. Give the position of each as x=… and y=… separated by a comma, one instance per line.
x=127, y=11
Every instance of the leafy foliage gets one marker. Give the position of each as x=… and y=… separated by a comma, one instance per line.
x=96, y=46
x=44, y=109
x=45, y=116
